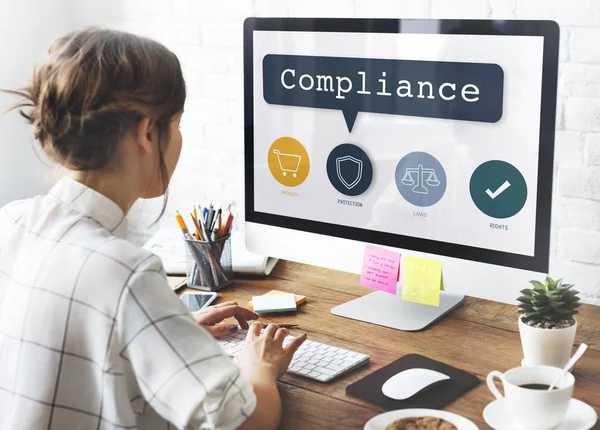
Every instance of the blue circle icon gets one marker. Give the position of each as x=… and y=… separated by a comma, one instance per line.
x=421, y=179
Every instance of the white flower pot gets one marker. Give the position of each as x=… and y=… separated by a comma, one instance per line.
x=547, y=347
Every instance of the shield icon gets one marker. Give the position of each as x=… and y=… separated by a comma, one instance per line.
x=349, y=170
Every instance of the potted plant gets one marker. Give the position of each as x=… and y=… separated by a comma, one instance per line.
x=547, y=324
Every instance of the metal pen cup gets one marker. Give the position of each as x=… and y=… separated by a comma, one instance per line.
x=208, y=264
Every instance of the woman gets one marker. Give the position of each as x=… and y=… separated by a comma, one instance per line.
x=91, y=336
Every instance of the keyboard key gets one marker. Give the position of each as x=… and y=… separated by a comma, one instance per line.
x=314, y=374
x=335, y=367
x=325, y=371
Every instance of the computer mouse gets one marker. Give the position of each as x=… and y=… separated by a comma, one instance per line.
x=409, y=382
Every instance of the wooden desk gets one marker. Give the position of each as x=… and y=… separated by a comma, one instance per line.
x=479, y=337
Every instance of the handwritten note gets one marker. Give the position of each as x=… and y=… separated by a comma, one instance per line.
x=380, y=269
x=422, y=281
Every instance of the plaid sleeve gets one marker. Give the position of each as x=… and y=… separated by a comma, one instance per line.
x=181, y=370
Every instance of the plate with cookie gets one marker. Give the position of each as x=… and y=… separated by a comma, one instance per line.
x=419, y=419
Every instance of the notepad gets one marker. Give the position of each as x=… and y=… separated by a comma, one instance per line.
x=299, y=298
x=422, y=281
x=274, y=303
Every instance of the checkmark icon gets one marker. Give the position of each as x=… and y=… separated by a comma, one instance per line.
x=499, y=191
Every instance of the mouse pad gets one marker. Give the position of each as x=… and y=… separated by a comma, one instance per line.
x=435, y=396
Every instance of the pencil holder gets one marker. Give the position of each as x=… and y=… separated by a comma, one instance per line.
x=208, y=264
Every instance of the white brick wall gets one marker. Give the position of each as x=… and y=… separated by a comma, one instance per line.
x=207, y=36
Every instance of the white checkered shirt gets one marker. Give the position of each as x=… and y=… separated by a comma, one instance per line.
x=91, y=336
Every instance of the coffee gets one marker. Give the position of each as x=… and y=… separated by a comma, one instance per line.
x=536, y=386
x=528, y=401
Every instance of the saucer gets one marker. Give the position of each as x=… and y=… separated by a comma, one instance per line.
x=579, y=416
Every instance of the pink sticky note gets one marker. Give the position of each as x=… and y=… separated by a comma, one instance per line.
x=380, y=269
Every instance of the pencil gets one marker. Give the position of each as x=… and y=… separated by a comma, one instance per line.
x=229, y=225
x=224, y=231
x=206, y=232
x=182, y=225
x=197, y=227
x=219, y=223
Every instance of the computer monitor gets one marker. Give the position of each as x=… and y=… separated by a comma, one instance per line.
x=434, y=138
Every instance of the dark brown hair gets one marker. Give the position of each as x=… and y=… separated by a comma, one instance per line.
x=95, y=86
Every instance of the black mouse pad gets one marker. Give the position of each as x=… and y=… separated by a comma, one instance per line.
x=435, y=396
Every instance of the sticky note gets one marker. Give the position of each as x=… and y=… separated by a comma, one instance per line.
x=380, y=269
x=422, y=280
x=274, y=303
x=299, y=299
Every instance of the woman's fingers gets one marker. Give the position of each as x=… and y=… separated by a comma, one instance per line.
x=280, y=335
x=220, y=305
x=242, y=321
x=271, y=330
x=220, y=330
x=295, y=343
x=216, y=315
x=254, y=331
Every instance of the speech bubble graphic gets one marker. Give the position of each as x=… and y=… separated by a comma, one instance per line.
x=432, y=89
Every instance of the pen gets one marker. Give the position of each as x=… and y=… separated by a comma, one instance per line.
x=209, y=218
x=287, y=325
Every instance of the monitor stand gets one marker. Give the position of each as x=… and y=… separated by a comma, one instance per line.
x=391, y=311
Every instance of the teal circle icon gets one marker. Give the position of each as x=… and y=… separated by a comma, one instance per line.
x=498, y=189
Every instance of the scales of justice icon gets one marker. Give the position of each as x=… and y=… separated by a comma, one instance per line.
x=419, y=185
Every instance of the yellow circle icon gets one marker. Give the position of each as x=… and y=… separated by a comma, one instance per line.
x=288, y=161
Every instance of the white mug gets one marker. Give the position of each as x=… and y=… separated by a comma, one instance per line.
x=533, y=409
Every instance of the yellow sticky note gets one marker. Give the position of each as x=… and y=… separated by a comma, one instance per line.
x=422, y=280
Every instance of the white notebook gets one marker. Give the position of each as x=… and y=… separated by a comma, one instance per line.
x=168, y=244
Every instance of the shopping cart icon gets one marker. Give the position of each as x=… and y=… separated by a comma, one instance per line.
x=288, y=162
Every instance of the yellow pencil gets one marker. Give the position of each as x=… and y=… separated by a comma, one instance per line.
x=199, y=234
x=182, y=225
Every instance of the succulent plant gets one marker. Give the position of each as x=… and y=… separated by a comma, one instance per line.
x=551, y=304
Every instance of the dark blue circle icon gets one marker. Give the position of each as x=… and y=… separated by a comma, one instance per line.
x=421, y=179
x=349, y=169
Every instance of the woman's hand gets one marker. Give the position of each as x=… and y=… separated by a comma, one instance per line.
x=210, y=318
x=264, y=356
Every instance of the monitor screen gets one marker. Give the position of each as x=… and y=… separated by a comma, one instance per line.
x=429, y=135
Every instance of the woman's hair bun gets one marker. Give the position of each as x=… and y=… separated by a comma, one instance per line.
x=94, y=87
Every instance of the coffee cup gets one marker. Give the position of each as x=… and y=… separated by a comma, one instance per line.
x=526, y=397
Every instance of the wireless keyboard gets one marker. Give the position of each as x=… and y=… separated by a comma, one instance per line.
x=313, y=360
